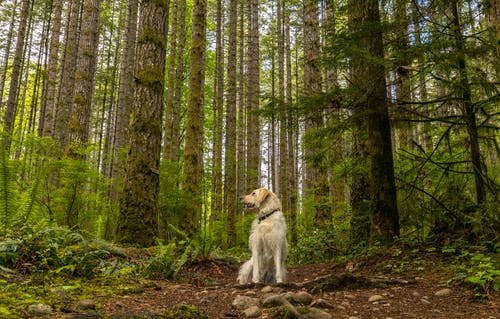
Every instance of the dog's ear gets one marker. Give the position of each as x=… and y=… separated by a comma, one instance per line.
x=263, y=193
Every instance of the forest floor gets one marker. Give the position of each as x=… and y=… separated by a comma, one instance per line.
x=414, y=286
x=404, y=285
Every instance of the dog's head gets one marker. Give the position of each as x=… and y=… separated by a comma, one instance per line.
x=257, y=198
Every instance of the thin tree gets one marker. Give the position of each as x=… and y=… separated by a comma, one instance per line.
x=192, y=180
x=15, y=76
x=218, y=113
x=48, y=109
x=67, y=78
x=253, y=84
x=126, y=87
x=79, y=130
x=230, y=191
x=137, y=223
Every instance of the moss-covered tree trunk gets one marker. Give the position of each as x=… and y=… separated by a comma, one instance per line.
x=79, y=125
x=316, y=175
x=125, y=95
x=138, y=223
x=68, y=70
x=370, y=88
x=192, y=180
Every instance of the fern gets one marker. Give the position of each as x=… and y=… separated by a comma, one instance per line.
x=8, y=190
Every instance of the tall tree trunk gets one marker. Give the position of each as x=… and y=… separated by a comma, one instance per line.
x=403, y=61
x=7, y=48
x=67, y=81
x=218, y=110
x=15, y=75
x=48, y=109
x=79, y=128
x=468, y=109
x=125, y=100
x=253, y=123
x=241, y=156
x=371, y=84
x=316, y=175
x=175, y=83
x=192, y=181
x=230, y=191
x=138, y=223
x=292, y=138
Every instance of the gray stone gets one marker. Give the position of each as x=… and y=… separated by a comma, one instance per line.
x=302, y=298
x=321, y=303
x=375, y=298
x=443, y=292
x=245, y=302
x=252, y=312
x=267, y=289
x=39, y=309
x=315, y=313
x=274, y=301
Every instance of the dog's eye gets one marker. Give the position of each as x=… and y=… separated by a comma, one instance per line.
x=253, y=193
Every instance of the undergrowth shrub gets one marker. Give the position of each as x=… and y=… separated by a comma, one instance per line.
x=60, y=251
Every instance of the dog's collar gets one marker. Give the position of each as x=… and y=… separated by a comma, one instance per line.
x=261, y=218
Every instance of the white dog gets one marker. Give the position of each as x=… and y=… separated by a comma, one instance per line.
x=267, y=240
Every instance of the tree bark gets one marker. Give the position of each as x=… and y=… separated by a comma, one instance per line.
x=253, y=123
x=137, y=222
x=193, y=147
x=79, y=125
x=48, y=110
x=15, y=75
x=230, y=191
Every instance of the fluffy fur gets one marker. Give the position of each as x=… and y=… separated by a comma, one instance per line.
x=267, y=240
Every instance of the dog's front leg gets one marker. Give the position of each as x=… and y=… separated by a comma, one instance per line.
x=279, y=267
x=256, y=270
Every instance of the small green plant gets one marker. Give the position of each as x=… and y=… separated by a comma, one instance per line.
x=482, y=272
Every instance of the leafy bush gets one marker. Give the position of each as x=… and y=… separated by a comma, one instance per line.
x=60, y=251
x=481, y=271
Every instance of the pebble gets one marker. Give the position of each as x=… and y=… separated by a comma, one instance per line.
x=443, y=292
x=252, y=312
x=375, y=298
x=245, y=302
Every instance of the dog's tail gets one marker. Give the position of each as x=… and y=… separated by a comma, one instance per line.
x=245, y=274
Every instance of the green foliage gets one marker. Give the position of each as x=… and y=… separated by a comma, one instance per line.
x=480, y=270
x=60, y=251
x=171, y=258
x=314, y=246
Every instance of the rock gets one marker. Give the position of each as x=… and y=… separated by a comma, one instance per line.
x=375, y=298
x=252, y=312
x=321, y=303
x=302, y=298
x=86, y=304
x=245, y=302
x=443, y=292
x=274, y=301
x=39, y=309
x=317, y=314
x=287, y=312
x=267, y=289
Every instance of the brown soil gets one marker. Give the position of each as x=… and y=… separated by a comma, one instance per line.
x=211, y=286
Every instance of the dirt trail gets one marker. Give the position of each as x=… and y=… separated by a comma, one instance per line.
x=211, y=286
